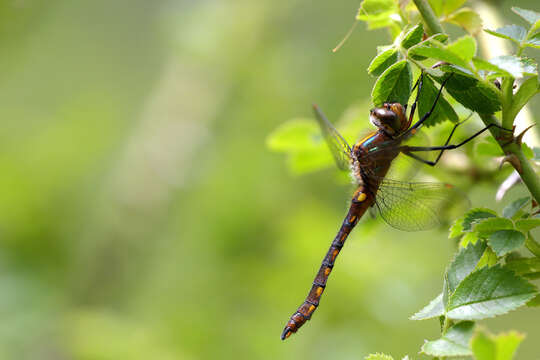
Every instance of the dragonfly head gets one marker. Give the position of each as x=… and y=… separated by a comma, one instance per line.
x=390, y=118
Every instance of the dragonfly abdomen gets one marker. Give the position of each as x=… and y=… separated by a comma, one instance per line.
x=361, y=201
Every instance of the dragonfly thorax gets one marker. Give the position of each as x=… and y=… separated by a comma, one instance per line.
x=390, y=118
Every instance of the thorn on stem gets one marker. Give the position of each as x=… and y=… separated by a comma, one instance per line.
x=512, y=160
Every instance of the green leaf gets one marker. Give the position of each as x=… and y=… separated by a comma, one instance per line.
x=514, y=66
x=476, y=215
x=437, y=51
x=528, y=15
x=455, y=342
x=378, y=357
x=511, y=209
x=532, y=41
x=490, y=347
x=463, y=264
x=469, y=238
x=488, y=292
x=514, y=33
x=394, y=85
x=443, y=110
x=473, y=94
x=526, y=225
x=376, y=10
x=526, y=91
x=413, y=37
x=481, y=64
x=504, y=241
x=489, y=258
x=465, y=47
x=449, y=6
x=489, y=226
x=457, y=228
x=527, y=151
x=383, y=61
x=468, y=19
x=434, y=309
x=523, y=266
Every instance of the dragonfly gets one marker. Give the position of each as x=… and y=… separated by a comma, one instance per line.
x=408, y=206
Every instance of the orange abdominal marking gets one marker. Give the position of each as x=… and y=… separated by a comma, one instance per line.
x=334, y=254
x=311, y=308
x=361, y=197
x=343, y=237
x=352, y=218
x=319, y=291
x=327, y=271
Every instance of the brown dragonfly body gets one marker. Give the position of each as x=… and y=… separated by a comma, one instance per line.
x=365, y=158
x=408, y=206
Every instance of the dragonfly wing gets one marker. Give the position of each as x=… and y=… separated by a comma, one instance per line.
x=341, y=151
x=413, y=206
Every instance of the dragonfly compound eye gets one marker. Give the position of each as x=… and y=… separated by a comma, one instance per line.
x=385, y=119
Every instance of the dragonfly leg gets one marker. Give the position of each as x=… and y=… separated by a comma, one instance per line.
x=419, y=84
x=408, y=149
x=428, y=114
x=433, y=163
x=361, y=201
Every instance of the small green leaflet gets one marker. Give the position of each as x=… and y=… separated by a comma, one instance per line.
x=528, y=15
x=488, y=292
x=463, y=264
x=449, y=6
x=443, y=110
x=489, y=226
x=514, y=66
x=526, y=91
x=434, y=309
x=413, y=37
x=505, y=241
x=511, y=209
x=514, y=33
x=473, y=94
x=437, y=51
x=526, y=225
x=394, y=85
x=523, y=266
x=467, y=19
x=377, y=13
x=455, y=342
x=476, y=215
x=500, y=347
x=383, y=61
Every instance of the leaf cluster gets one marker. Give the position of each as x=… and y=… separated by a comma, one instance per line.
x=487, y=277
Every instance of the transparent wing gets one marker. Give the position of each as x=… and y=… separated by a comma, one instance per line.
x=413, y=206
x=341, y=151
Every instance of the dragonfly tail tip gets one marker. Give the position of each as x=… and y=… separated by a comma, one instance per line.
x=286, y=333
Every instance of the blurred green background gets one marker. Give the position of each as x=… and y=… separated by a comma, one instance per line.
x=143, y=216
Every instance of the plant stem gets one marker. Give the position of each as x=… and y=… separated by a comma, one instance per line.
x=507, y=88
x=532, y=245
x=429, y=17
x=517, y=158
x=507, y=143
